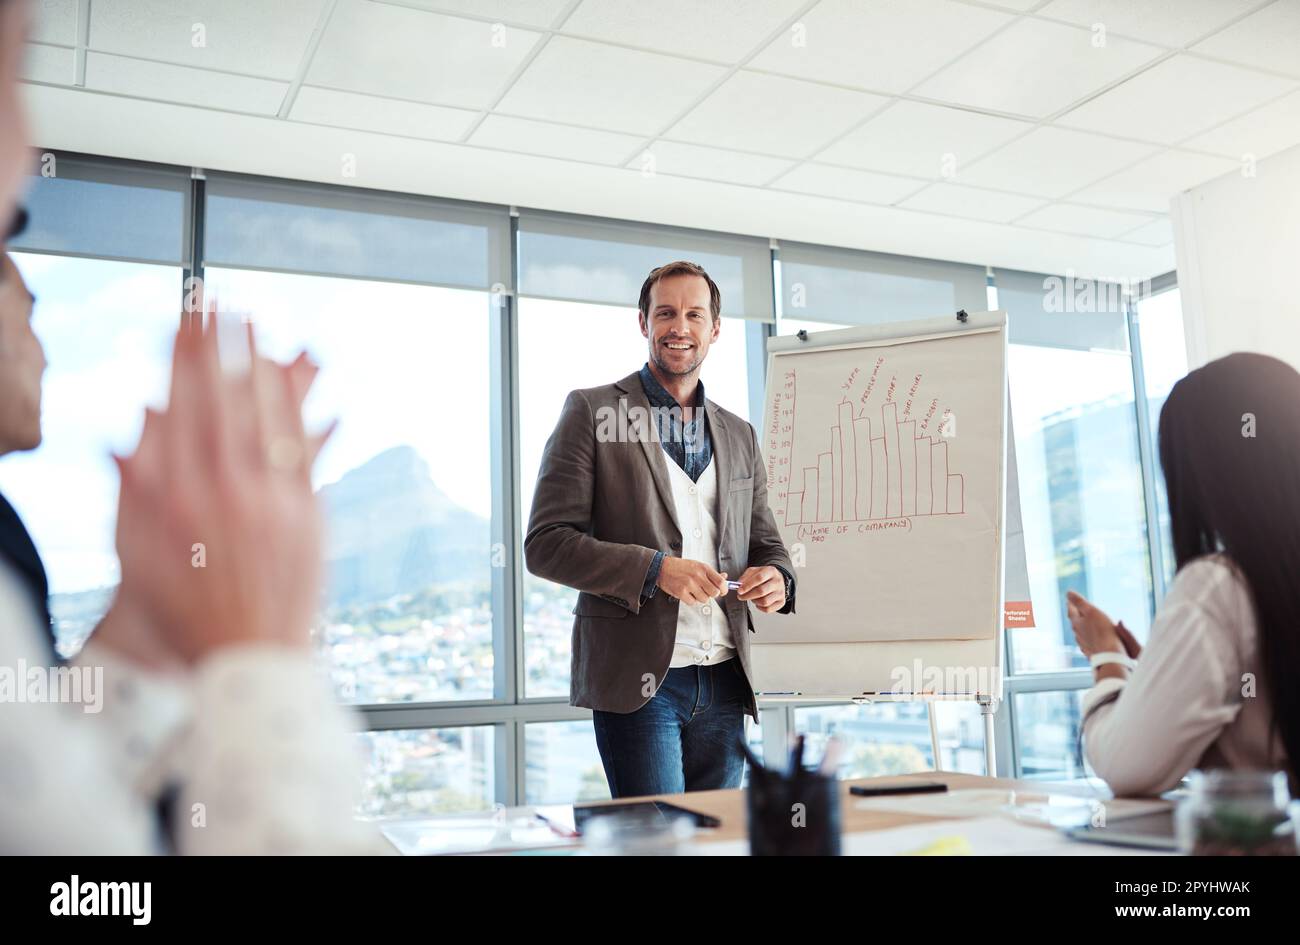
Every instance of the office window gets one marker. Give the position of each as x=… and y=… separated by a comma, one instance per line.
x=562, y=763
x=428, y=772
x=107, y=330
x=405, y=483
x=1080, y=478
x=1164, y=363
x=1081, y=496
x=564, y=346
x=1047, y=734
x=893, y=737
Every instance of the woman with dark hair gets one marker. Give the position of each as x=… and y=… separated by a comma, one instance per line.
x=1212, y=688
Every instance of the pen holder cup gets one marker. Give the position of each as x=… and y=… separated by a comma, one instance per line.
x=797, y=816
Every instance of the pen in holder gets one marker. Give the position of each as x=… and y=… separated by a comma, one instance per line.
x=794, y=814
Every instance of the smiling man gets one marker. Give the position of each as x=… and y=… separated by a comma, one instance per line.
x=649, y=522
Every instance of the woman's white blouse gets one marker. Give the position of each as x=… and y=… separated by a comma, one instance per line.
x=1196, y=697
x=264, y=759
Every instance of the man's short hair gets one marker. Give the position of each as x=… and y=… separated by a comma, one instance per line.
x=680, y=268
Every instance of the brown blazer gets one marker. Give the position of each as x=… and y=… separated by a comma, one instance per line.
x=602, y=508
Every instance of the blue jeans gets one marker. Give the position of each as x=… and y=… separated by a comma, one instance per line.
x=686, y=738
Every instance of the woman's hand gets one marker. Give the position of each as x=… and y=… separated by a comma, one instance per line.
x=1093, y=630
x=218, y=529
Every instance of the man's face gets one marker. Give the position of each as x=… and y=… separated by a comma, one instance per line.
x=22, y=362
x=680, y=326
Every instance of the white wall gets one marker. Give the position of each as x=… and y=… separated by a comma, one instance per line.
x=1238, y=247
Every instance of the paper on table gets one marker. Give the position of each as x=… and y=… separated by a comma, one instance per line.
x=1059, y=810
x=982, y=836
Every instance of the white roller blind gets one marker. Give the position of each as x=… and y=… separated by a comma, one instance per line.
x=587, y=260
x=1062, y=311
x=337, y=231
x=98, y=207
x=853, y=287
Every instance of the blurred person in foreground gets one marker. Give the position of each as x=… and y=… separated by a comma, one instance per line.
x=200, y=678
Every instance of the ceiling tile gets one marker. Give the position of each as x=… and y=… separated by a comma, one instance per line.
x=1159, y=232
x=537, y=13
x=156, y=80
x=1051, y=162
x=1268, y=38
x=1265, y=131
x=1082, y=221
x=887, y=45
x=382, y=49
x=752, y=111
x=1179, y=97
x=973, y=203
x=383, y=115
x=558, y=141
x=585, y=83
x=1150, y=184
x=845, y=184
x=1036, y=68
x=916, y=139
x=53, y=64
x=733, y=167
x=1168, y=22
x=246, y=36
x=721, y=30
x=1020, y=6
x=54, y=21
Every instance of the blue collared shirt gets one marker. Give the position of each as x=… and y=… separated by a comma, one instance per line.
x=689, y=445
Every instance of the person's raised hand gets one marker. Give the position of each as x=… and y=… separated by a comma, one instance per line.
x=219, y=533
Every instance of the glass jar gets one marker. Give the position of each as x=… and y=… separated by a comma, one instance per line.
x=1236, y=813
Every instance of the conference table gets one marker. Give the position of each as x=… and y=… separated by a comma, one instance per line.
x=975, y=816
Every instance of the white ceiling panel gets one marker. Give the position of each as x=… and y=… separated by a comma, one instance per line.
x=558, y=141
x=1269, y=39
x=1159, y=232
x=381, y=49
x=844, y=184
x=788, y=117
x=972, y=203
x=689, y=160
x=1182, y=96
x=1168, y=22
x=246, y=36
x=920, y=140
x=1150, y=184
x=1085, y=221
x=383, y=115
x=1051, y=162
x=586, y=83
x=168, y=83
x=535, y=13
x=854, y=43
x=720, y=30
x=1265, y=131
x=55, y=64
x=54, y=21
x=1036, y=68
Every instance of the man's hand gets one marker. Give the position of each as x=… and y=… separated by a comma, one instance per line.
x=692, y=582
x=765, y=586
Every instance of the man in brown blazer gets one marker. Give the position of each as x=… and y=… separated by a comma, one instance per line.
x=650, y=498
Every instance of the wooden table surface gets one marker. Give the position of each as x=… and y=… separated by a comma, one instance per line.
x=729, y=805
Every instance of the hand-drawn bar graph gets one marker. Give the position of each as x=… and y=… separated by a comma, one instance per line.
x=874, y=471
